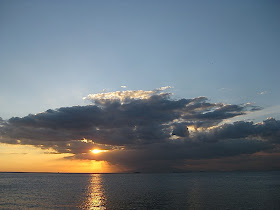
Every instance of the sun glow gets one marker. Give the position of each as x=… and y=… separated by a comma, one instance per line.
x=96, y=151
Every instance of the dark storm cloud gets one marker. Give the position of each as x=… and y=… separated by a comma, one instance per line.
x=170, y=155
x=268, y=130
x=180, y=130
x=144, y=129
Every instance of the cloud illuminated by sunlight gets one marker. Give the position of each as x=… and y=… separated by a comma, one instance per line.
x=125, y=95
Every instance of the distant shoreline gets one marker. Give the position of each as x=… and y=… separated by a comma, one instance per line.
x=245, y=171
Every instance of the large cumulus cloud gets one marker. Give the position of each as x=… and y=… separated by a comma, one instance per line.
x=144, y=130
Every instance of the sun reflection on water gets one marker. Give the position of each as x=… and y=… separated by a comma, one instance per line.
x=194, y=196
x=95, y=197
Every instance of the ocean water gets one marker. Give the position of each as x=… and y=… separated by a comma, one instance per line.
x=223, y=190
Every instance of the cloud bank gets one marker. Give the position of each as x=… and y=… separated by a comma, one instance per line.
x=148, y=131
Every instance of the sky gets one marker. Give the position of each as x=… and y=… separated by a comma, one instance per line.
x=156, y=86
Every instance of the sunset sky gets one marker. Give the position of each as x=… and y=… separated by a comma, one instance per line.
x=150, y=86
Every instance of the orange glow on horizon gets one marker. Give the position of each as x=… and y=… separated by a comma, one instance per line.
x=26, y=158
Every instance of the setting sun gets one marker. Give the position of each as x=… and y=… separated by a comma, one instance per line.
x=96, y=151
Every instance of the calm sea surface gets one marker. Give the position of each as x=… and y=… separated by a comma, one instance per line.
x=233, y=190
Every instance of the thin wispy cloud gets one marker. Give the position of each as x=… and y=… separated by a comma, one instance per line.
x=262, y=93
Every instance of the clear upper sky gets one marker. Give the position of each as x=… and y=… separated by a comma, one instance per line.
x=53, y=53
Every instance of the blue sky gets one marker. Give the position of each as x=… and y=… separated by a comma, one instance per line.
x=54, y=53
